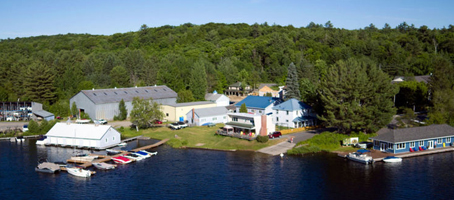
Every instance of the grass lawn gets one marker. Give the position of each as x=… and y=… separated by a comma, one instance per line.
x=199, y=137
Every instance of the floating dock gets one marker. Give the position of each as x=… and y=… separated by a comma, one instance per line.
x=105, y=158
x=378, y=155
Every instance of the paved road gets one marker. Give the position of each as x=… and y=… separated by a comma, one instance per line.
x=297, y=137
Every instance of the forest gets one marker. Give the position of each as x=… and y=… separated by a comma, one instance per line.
x=194, y=59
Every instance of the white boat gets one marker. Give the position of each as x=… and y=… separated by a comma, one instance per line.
x=142, y=154
x=361, y=157
x=84, y=158
x=150, y=153
x=392, y=159
x=122, y=144
x=112, y=151
x=133, y=156
x=41, y=141
x=78, y=172
x=47, y=167
x=20, y=138
x=104, y=166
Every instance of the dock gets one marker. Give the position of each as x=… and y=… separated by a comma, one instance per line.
x=378, y=155
x=104, y=158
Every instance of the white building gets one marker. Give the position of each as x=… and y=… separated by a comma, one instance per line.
x=103, y=103
x=83, y=135
x=258, y=105
x=293, y=114
x=203, y=116
x=219, y=99
x=246, y=123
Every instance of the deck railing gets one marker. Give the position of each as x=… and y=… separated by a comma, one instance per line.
x=236, y=134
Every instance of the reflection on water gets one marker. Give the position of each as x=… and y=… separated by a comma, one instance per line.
x=202, y=174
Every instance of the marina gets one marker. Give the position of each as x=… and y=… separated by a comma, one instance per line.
x=378, y=156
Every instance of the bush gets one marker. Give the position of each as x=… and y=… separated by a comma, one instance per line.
x=262, y=139
x=175, y=143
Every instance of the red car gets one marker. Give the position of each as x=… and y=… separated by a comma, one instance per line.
x=158, y=122
x=276, y=134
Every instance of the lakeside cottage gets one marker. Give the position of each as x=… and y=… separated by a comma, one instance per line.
x=294, y=114
x=414, y=139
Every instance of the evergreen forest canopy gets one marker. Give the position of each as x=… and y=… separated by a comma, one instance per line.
x=192, y=59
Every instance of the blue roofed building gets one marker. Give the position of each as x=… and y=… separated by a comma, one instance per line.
x=294, y=114
x=258, y=105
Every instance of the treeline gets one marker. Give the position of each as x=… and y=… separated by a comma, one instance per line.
x=192, y=59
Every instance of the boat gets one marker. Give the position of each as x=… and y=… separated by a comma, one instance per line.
x=360, y=156
x=133, y=156
x=143, y=154
x=112, y=152
x=41, y=141
x=84, y=158
x=47, y=167
x=79, y=172
x=104, y=166
x=121, y=160
x=392, y=159
x=122, y=144
x=20, y=138
x=150, y=153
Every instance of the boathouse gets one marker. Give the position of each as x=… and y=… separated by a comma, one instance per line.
x=414, y=139
x=83, y=135
x=204, y=116
x=104, y=103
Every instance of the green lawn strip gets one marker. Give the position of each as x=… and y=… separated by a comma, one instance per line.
x=327, y=141
x=192, y=136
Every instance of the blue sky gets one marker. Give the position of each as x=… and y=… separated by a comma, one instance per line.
x=24, y=18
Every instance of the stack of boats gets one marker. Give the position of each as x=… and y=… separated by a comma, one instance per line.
x=133, y=156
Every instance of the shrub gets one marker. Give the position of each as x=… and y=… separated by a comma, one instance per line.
x=262, y=139
x=175, y=143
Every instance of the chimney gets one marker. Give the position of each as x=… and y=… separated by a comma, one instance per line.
x=263, y=131
x=115, y=87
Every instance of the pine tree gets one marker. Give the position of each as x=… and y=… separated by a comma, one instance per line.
x=74, y=110
x=39, y=84
x=198, y=82
x=293, y=87
x=357, y=96
x=123, y=111
x=243, y=108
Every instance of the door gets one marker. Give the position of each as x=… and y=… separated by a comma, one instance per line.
x=430, y=143
x=383, y=146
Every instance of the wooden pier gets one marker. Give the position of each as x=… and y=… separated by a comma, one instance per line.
x=378, y=155
x=105, y=158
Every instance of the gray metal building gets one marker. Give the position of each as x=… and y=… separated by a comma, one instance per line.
x=103, y=103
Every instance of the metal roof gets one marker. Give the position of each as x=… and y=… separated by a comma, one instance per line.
x=212, y=97
x=115, y=95
x=291, y=105
x=207, y=112
x=257, y=102
x=82, y=131
x=42, y=113
x=416, y=133
x=303, y=118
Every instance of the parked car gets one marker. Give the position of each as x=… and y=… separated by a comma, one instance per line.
x=365, y=145
x=101, y=121
x=182, y=124
x=276, y=134
x=157, y=122
x=209, y=124
x=174, y=126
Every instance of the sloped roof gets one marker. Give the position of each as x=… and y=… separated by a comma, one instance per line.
x=212, y=97
x=42, y=113
x=266, y=89
x=267, y=84
x=257, y=102
x=102, y=96
x=416, y=133
x=82, y=131
x=207, y=112
x=424, y=78
x=303, y=118
x=291, y=105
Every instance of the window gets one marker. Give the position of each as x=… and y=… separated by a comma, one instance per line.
x=421, y=143
x=235, y=119
x=277, y=111
x=146, y=91
x=94, y=94
x=390, y=146
x=106, y=139
x=116, y=93
x=400, y=146
x=252, y=110
x=286, y=120
x=377, y=143
x=215, y=118
x=448, y=140
x=224, y=117
x=412, y=144
x=126, y=92
x=113, y=138
x=260, y=111
x=287, y=112
x=277, y=119
x=105, y=93
x=167, y=114
x=440, y=140
x=137, y=91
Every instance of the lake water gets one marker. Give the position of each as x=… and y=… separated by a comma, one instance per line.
x=203, y=174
